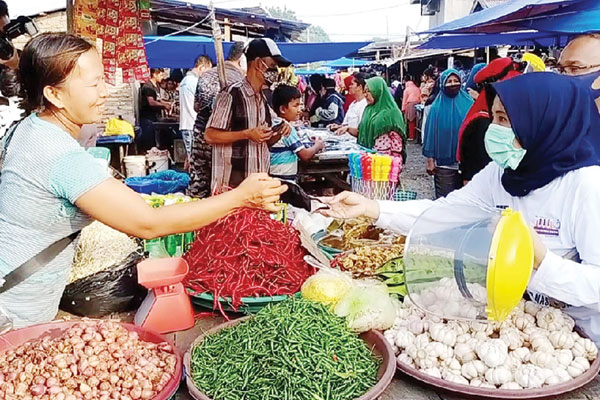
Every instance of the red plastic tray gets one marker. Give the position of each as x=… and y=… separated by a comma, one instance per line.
x=54, y=329
x=158, y=272
x=374, y=339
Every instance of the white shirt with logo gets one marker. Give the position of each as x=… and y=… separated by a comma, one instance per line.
x=566, y=215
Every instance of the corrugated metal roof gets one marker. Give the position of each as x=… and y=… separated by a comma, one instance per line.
x=491, y=3
x=255, y=23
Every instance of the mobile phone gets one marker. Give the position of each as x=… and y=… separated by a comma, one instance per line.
x=277, y=127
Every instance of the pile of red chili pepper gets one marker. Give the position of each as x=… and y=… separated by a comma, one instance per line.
x=246, y=254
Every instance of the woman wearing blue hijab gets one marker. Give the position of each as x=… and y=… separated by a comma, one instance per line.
x=545, y=143
x=471, y=85
x=441, y=132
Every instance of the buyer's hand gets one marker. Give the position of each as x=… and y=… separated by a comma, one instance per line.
x=333, y=127
x=261, y=191
x=260, y=134
x=347, y=205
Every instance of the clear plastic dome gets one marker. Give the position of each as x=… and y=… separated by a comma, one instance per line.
x=446, y=260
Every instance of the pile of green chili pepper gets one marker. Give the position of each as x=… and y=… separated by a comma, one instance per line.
x=296, y=349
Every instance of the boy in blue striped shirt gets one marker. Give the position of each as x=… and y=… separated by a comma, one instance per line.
x=285, y=153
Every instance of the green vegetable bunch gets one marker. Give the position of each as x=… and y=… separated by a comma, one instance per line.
x=296, y=349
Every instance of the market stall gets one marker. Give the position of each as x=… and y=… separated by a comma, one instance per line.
x=373, y=305
x=292, y=304
x=331, y=164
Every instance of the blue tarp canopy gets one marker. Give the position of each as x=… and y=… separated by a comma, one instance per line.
x=325, y=71
x=345, y=62
x=478, y=40
x=504, y=17
x=583, y=17
x=181, y=51
x=549, y=28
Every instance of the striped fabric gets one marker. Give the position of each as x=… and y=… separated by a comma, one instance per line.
x=44, y=172
x=201, y=156
x=284, y=161
x=238, y=108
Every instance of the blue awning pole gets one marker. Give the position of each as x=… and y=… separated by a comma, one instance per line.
x=487, y=54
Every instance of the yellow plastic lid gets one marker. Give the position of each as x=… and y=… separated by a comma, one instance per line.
x=536, y=62
x=509, y=265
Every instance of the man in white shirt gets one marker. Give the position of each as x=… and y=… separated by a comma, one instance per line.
x=187, y=90
x=355, y=111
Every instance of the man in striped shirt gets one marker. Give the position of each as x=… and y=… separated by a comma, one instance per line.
x=240, y=126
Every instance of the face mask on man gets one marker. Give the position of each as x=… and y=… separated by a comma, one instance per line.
x=271, y=74
x=500, y=145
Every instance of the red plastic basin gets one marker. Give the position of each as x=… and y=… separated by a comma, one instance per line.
x=376, y=341
x=18, y=337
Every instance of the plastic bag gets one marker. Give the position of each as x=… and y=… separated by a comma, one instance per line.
x=367, y=306
x=162, y=182
x=6, y=322
x=116, y=126
x=113, y=290
x=327, y=286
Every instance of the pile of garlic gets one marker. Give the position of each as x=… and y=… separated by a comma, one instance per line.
x=535, y=347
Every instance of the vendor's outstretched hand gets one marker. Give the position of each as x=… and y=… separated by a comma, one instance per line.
x=261, y=191
x=348, y=205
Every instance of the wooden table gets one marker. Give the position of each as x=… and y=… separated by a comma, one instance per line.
x=401, y=388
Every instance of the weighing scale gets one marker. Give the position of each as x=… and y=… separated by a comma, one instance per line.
x=465, y=262
x=167, y=308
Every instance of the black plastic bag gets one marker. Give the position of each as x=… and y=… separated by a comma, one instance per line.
x=105, y=292
x=297, y=197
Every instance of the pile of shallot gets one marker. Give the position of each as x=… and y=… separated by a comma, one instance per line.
x=91, y=360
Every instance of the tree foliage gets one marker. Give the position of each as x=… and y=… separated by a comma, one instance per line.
x=313, y=33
